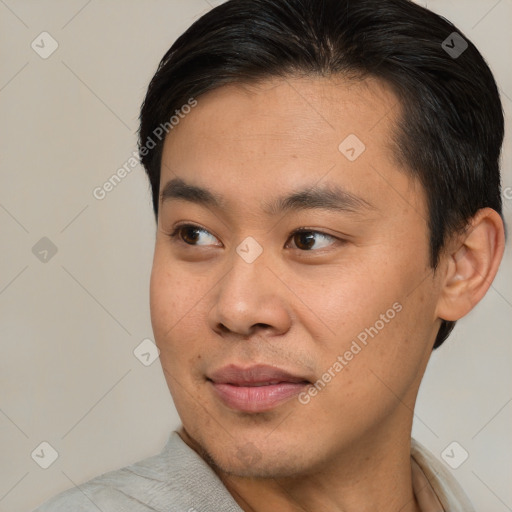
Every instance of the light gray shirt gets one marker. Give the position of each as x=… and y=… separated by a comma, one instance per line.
x=179, y=480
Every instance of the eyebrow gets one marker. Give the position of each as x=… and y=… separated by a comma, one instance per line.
x=179, y=189
x=326, y=197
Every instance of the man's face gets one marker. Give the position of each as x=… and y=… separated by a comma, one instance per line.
x=256, y=298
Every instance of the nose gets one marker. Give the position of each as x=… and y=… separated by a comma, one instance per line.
x=249, y=299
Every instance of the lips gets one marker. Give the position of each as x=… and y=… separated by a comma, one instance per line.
x=257, y=388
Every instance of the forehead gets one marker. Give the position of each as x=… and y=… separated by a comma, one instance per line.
x=294, y=109
x=277, y=134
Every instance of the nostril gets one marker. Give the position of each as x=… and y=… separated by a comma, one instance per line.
x=261, y=326
x=223, y=329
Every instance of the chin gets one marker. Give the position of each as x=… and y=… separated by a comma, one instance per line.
x=266, y=468
x=250, y=461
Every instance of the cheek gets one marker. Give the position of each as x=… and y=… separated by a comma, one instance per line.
x=351, y=298
x=163, y=302
x=179, y=305
x=174, y=317
x=380, y=312
x=172, y=296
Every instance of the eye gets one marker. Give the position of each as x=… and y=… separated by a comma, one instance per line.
x=194, y=235
x=305, y=240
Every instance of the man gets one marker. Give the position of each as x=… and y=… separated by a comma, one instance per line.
x=325, y=180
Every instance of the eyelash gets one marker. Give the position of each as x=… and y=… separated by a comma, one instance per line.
x=174, y=235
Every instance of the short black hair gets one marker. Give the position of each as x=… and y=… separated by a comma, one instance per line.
x=451, y=129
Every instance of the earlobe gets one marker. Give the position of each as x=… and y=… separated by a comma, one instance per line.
x=471, y=265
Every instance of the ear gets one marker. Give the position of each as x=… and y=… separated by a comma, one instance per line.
x=472, y=262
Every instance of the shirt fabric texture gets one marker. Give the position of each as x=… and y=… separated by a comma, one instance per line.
x=179, y=480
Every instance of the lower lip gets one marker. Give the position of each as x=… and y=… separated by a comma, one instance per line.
x=257, y=398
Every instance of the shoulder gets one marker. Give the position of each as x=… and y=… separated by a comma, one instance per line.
x=442, y=483
x=175, y=479
x=151, y=484
x=89, y=497
x=129, y=489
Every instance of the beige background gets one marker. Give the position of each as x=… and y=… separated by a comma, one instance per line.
x=68, y=375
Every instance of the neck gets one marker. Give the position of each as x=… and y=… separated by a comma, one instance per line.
x=368, y=476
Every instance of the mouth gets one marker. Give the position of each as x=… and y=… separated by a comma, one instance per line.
x=257, y=388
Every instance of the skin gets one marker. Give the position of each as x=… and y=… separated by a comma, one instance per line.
x=348, y=448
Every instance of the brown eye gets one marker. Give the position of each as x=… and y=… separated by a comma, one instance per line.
x=189, y=235
x=194, y=235
x=304, y=240
x=307, y=240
